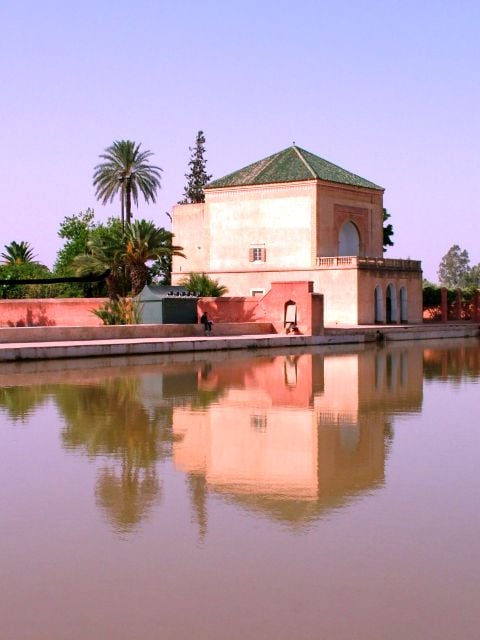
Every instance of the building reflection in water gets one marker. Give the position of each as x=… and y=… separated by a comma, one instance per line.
x=294, y=436
x=288, y=436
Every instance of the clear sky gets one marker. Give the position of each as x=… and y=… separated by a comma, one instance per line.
x=387, y=89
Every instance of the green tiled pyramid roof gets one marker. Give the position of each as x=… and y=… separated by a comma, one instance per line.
x=290, y=165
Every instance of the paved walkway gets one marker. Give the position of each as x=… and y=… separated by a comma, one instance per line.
x=10, y=352
x=134, y=346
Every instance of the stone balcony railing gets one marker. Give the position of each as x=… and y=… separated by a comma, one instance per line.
x=357, y=262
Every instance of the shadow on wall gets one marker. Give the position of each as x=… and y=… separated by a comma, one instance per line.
x=33, y=318
x=232, y=309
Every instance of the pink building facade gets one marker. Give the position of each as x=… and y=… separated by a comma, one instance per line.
x=295, y=217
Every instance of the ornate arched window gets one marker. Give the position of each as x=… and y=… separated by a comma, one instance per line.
x=349, y=240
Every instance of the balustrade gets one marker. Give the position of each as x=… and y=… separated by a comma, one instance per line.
x=361, y=262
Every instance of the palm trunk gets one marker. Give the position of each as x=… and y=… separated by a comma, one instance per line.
x=128, y=202
x=112, y=287
x=138, y=277
x=122, y=197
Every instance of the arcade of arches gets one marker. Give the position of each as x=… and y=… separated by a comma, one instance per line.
x=391, y=308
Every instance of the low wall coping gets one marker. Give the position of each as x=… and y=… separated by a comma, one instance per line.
x=9, y=335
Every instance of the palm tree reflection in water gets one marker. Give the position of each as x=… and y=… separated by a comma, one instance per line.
x=110, y=420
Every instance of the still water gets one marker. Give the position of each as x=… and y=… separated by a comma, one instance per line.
x=330, y=493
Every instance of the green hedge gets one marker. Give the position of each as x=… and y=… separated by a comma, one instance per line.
x=432, y=300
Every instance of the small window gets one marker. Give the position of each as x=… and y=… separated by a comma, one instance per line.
x=257, y=293
x=257, y=253
x=258, y=423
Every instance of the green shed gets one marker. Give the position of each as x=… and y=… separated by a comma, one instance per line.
x=164, y=304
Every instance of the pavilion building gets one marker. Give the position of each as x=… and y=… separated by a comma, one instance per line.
x=296, y=217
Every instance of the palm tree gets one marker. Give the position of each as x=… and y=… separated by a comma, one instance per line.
x=144, y=242
x=18, y=253
x=203, y=285
x=125, y=170
x=104, y=252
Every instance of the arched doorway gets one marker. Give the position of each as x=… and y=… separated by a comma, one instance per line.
x=349, y=240
x=403, y=305
x=378, y=304
x=290, y=316
x=391, y=305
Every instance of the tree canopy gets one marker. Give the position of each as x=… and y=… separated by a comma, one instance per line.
x=125, y=171
x=75, y=230
x=104, y=250
x=455, y=271
x=387, y=231
x=25, y=270
x=18, y=253
x=126, y=253
x=145, y=242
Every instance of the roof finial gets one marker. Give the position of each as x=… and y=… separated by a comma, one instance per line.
x=293, y=143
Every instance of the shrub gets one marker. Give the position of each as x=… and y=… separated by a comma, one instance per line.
x=25, y=271
x=432, y=302
x=202, y=285
x=119, y=311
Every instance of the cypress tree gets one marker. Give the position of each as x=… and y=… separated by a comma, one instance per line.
x=197, y=177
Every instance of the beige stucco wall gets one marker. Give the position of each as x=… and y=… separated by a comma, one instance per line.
x=217, y=235
x=340, y=291
x=262, y=216
x=190, y=230
x=295, y=222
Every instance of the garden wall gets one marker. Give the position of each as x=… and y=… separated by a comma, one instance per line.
x=268, y=311
x=10, y=335
x=50, y=312
x=442, y=305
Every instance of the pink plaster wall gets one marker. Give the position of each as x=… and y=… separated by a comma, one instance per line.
x=270, y=308
x=50, y=312
x=227, y=309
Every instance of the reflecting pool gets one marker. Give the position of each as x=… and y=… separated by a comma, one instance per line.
x=328, y=493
